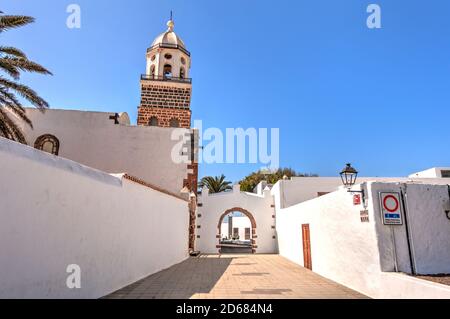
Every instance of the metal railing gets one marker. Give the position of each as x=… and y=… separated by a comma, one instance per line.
x=165, y=78
x=169, y=46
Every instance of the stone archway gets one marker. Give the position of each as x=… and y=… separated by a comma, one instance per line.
x=252, y=221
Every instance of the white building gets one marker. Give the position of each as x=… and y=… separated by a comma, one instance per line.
x=95, y=191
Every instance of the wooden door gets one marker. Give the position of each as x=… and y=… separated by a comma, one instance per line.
x=307, y=261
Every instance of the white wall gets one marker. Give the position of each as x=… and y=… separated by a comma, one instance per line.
x=300, y=189
x=214, y=205
x=354, y=253
x=55, y=212
x=435, y=172
x=92, y=139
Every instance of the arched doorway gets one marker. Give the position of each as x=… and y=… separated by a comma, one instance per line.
x=252, y=223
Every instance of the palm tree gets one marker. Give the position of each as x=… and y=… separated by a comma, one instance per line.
x=12, y=63
x=215, y=184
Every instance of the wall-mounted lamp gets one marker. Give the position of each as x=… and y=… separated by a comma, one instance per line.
x=348, y=177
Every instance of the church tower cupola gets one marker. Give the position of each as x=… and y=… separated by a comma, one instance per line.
x=166, y=87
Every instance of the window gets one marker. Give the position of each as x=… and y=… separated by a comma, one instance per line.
x=183, y=61
x=152, y=70
x=445, y=174
x=153, y=121
x=167, y=71
x=174, y=122
x=247, y=233
x=168, y=56
x=235, y=233
x=153, y=57
x=47, y=143
x=182, y=75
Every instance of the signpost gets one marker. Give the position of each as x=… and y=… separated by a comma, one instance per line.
x=391, y=208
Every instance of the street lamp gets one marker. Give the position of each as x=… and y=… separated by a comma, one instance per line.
x=348, y=176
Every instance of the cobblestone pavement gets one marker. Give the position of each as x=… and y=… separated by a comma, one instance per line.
x=236, y=277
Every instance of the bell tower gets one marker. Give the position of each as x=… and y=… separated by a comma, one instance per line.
x=166, y=87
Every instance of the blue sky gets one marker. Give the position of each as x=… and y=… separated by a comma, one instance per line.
x=338, y=91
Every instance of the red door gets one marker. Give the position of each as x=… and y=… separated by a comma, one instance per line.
x=307, y=262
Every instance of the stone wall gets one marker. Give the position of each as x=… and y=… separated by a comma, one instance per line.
x=165, y=101
x=164, y=115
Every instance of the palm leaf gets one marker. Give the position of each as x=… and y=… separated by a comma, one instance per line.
x=9, y=128
x=215, y=184
x=9, y=68
x=23, y=65
x=10, y=22
x=25, y=92
x=12, y=51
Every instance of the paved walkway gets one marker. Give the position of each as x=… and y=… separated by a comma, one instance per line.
x=237, y=277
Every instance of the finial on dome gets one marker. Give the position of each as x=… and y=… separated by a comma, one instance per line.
x=170, y=23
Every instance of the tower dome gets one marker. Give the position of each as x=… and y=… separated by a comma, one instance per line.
x=168, y=58
x=169, y=37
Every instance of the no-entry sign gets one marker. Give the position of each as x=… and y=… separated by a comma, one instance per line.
x=391, y=209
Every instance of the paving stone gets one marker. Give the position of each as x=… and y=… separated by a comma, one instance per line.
x=236, y=277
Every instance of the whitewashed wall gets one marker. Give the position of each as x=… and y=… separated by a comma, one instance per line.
x=55, y=212
x=214, y=205
x=354, y=253
x=299, y=189
x=92, y=139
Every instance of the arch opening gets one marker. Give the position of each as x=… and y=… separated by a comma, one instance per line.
x=153, y=121
x=47, y=143
x=174, y=122
x=167, y=71
x=236, y=232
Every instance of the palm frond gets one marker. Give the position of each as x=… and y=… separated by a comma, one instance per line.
x=9, y=68
x=9, y=128
x=10, y=22
x=23, y=65
x=12, y=51
x=25, y=92
x=215, y=184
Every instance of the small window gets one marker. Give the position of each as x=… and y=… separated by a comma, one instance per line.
x=47, y=143
x=445, y=174
x=168, y=56
x=153, y=121
x=235, y=233
x=182, y=75
x=174, y=123
x=167, y=71
x=183, y=61
x=153, y=57
x=247, y=233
